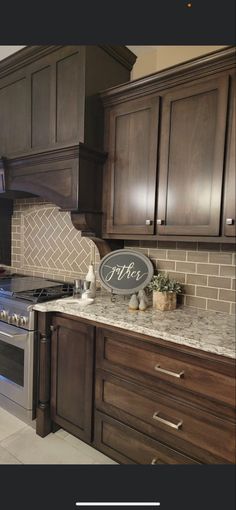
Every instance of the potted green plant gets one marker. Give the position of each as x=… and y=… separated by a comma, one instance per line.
x=164, y=292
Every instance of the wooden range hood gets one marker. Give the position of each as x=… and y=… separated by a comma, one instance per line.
x=52, y=147
x=70, y=178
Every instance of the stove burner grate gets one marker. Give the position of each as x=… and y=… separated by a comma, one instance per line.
x=45, y=294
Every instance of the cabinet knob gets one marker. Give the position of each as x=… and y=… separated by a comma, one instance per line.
x=160, y=222
x=148, y=222
x=229, y=221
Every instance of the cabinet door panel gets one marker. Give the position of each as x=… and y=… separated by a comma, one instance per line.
x=131, y=168
x=229, y=219
x=72, y=374
x=192, y=158
x=13, y=116
x=41, y=107
x=70, y=109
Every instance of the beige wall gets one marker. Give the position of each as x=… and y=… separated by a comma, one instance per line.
x=5, y=51
x=160, y=57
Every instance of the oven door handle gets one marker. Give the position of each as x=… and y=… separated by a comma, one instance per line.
x=15, y=336
x=17, y=339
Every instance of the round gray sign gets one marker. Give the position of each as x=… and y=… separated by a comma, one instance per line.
x=125, y=271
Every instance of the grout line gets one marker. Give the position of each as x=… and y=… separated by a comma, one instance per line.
x=12, y=455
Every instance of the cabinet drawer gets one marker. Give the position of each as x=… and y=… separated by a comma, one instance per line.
x=128, y=446
x=183, y=427
x=123, y=355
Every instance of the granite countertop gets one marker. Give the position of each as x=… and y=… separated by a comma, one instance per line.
x=206, y=330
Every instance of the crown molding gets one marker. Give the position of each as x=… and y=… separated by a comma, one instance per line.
x=30, y=54
x=182, y=73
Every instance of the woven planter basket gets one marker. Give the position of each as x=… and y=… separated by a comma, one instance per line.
x=164, y=300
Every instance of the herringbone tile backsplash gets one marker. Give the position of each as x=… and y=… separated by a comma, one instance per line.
x=45, y=243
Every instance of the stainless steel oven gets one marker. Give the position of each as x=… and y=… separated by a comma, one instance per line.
x=18, y=340
x=17, y=347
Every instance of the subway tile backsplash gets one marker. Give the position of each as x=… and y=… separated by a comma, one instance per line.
x=45, y=243
x=206, y=270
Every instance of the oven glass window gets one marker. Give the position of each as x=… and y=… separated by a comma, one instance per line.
x=11, y=363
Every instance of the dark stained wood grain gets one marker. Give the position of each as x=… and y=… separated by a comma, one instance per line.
x=70, y=177
x=72, y=376
x=41, y=98
x=70, y=87
x=121, y=353
x=200, y=434
x=128, y=446
x=191, y=159
x=13, y=114
x=230, y=178
x=129, y=391
x=43, y=418
x=49, y=103
x=130, y=173
x=190, y=167
x=45, y=91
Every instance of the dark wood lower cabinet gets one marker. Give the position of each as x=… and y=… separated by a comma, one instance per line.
x=181, y=414
x=72, y=376
x=128, y=446
x=163, y=401
x=191, y=431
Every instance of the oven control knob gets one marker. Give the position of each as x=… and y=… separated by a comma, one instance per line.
x=4, y=315
x=16, y=319
x=13, y=319
x=9, y=319
x=22, y=320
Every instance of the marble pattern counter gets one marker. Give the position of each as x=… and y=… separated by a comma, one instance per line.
x=209, y=331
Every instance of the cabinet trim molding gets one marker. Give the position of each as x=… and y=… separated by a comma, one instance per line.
x=30, y=54
x=196, y=68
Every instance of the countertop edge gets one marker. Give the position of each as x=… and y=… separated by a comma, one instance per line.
x=59, y=307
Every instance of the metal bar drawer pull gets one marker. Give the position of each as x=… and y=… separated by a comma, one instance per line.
x=167, y=422
x=168, y=372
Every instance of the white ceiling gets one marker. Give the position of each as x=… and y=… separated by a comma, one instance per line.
x=5, y=51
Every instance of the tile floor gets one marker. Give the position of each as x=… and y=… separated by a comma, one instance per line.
x=19, y=444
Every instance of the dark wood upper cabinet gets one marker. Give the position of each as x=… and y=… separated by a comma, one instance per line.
x=170, y=139
x=51, y=117
x=229, y=217
x=132, y=134
x=41, y=104
x=49, y=95
x=14, y=133
x=192, y=159
x=72, y=376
